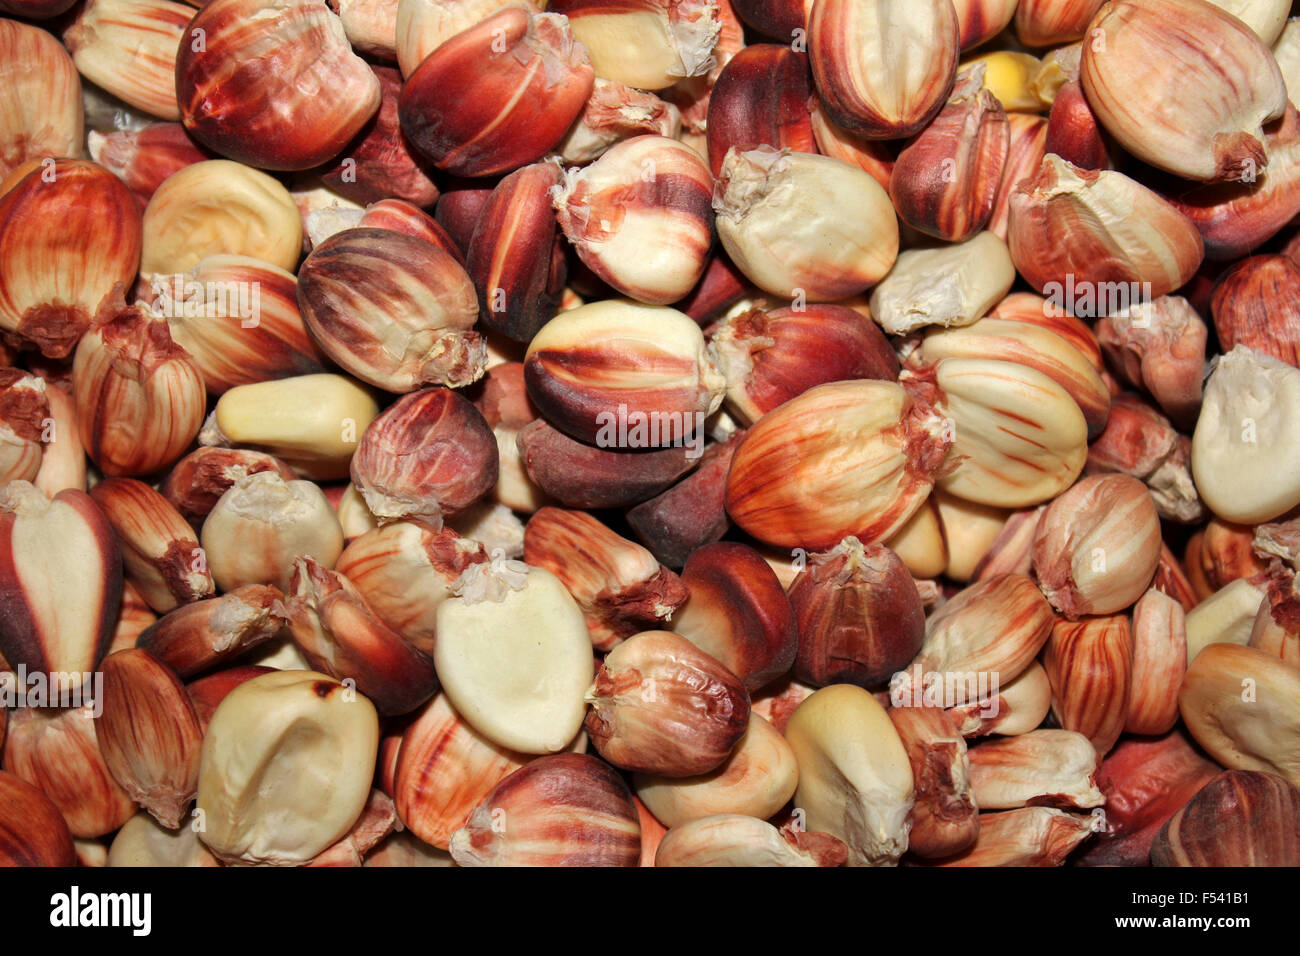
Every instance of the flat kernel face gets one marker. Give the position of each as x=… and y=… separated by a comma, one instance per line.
x=517, y=669
x=855, y=780
x=635, y=48
x=71, y=626
x=286, y=767
x=1244, y=453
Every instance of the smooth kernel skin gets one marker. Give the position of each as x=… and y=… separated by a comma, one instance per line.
x=217, y=207
x=515, y=668
x=676, y=523
x=66, y=622
x=309, y=422
x=945, y=182
x=1048, y=23
x=1257, y=304
x=1241, y=731
x=611, y=361
x=1097, y=546
x=227, y=351
x=758, y=779
x=773, y=18
x=58, y=751
x=1235, y=219
x=444, y=768
x=647, y=44
x=620, y=586
x=770, y=356
x=1073, y=132
x=149, y=734
x=960, y=640
x=1146, y=780
x=1159, y=663
x=404, y=570
x=640, y=217
x=41, y=99
x=1088, y=228
x=392, y=309
x=339, y=634
x=1043, y=349
x=803, y=226
x=159, y=548
x=129, y=50
x=583, y=476
x=847, y=458
x=982, y=20
x=515, y=257
x=32, y=831
x=760, y=99
x=1089, y=664
x=864, y=84
x=738, y=612
x=855, y=778
x=1145, y=51
x=498, y=95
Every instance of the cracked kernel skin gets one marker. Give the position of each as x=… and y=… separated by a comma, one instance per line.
x=660, y=705
x=64, y=245
x=558, y=810
x=289, y=97
x=859, y=616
